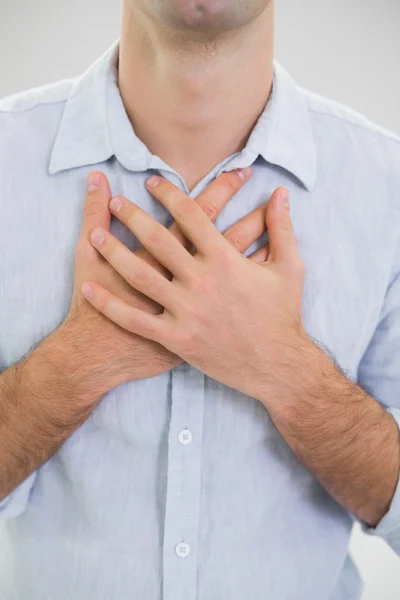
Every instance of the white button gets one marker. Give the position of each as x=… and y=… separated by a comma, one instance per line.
x=185, y=436
x=182, y=549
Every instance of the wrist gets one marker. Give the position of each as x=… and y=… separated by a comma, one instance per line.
x=40, y=409
x=302, y=371
x=58, y=367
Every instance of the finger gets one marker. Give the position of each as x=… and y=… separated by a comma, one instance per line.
x=123, y=314
x=150, y=260
x=190, y=218
x=282, y=241
x=213, y=199
x=136, y=272
x=260, y=255
x=246, y=231
x=95, y=211
x=156, y=238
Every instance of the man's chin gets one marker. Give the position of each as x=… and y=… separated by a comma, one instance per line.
x=207, y=13
x=211, y=15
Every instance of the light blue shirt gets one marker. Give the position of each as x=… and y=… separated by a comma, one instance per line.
x=178, y=487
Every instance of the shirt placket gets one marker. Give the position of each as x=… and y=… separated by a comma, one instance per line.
x=181, y=525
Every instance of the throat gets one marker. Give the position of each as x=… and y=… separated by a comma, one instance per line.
x=196, y=160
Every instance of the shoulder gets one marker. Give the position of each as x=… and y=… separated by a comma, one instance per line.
x=42, y=96
x=351, y=133
x=350, y=140
x=336, y=114
x=29, y=122
x=33, y=113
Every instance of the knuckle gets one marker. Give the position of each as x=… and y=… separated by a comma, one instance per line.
x=211, y=211
x=186, y=209
x=297, y=267
x=189, y=207
x=233, y=181
x=199, y=319
x=172, y=195
x=236, y=239
x=203, y=283
x=187, y=340
x=156, y=236
x=85, y=253
x=195, y=280
x=92, y=208
x=286, y=225
x=102, y=301
x=139, y=277
x=81, y=249
x=148, y=330
x=130, y=214
x=226, y=261
x=170, y=191
x=207, y=285
x=132, y=322
x=135, y=323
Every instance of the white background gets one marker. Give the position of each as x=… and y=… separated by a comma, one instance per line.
x=348, y=50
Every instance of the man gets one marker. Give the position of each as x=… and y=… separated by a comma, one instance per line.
x=194, y=410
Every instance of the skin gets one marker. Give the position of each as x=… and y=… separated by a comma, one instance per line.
x=208, y=17
x=177, y=67
x=165, y=75
x=179, y=50
x=202, y=286
x=259, y=346
x=88, y=354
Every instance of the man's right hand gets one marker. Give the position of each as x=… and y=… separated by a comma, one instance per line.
x=47, y=395
x=103, y=354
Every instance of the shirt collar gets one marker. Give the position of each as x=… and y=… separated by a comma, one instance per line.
x=95, y=126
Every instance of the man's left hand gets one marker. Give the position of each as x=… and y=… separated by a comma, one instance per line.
x=237, y=320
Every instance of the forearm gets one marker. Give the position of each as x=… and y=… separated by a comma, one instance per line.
x=42, y=403
x=344, y=436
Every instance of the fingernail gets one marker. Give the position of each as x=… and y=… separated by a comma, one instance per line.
x=244, y=173
x=284, y=197
x=115, y=203
x=87, y=290
x=97, y=236
x=153, y=181
x=93, y=181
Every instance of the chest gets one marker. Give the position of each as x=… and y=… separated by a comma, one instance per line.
x=346, y=275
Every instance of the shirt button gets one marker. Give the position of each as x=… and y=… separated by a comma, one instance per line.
x=182, y=549
x=185, y=436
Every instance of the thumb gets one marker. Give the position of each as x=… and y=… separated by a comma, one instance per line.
x=282, y=241
x=95, y=211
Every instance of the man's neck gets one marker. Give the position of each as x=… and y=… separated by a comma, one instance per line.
x=194, y=102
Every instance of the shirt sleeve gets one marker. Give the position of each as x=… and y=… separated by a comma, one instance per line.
x=379, y=375
x=16, y=503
